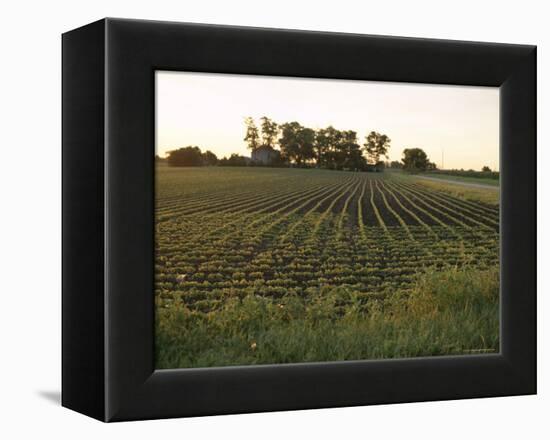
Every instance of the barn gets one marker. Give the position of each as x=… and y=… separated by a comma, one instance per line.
x=265, y=155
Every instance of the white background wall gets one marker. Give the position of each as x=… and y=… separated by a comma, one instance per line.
x=30, y=235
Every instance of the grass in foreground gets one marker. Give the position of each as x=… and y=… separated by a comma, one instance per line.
x=445, y=313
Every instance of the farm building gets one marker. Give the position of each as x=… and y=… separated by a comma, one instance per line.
x=265, y=155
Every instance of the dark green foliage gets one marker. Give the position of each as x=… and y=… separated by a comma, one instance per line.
x=185, y=157
x=415, y=160
x=234, y=160
x=270, y=129
x=209, y=158
x=326, y=146
x=190, y=157
x=376, y=145
x=485, y=173
x=338, y=150
x=349, y=152
x=252, y=136
x=445, y=313
x=297, y=142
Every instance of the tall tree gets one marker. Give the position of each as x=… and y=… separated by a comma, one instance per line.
x=376, y=145
x=270, y=129
x=297, y=142
x=415, y=159
x=326, y=140
x=306, y=139
x=350, y=151
x=252, y=136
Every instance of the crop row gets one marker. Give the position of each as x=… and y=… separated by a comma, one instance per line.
x=300, y=235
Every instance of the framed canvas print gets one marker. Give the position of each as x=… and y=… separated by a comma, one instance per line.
x=263, y=219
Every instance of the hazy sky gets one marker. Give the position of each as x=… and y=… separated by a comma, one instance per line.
x=208, y=110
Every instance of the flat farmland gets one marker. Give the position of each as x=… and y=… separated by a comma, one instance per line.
x=256, y=253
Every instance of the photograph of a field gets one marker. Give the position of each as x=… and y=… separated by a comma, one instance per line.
x=314, y=248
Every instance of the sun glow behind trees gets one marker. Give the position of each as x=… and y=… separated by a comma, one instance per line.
x=208, y=110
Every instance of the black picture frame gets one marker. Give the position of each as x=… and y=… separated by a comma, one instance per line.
x=108, y=219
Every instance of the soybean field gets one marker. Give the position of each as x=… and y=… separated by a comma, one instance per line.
x=261, y=247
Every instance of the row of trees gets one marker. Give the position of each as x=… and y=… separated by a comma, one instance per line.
x=192, y=156
x=414, y=160
x=325, y=148
x=302, y=146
